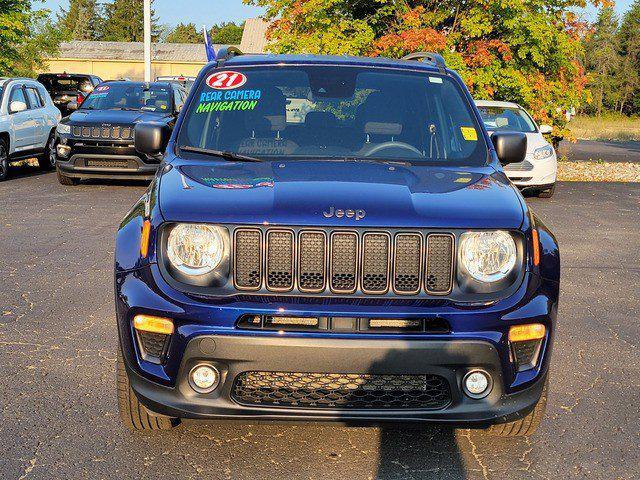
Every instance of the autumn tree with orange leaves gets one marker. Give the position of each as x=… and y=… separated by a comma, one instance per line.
x=524, y=51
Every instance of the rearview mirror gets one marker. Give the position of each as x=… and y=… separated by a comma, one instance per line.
x=17, y=106
x=511, y=147
x=546, y=129
x=151, y=138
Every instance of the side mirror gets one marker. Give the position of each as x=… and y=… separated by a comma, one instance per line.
x=546, y=129
x=72, y=106
x=151, y=138
x=511, y=147
x=17, y=106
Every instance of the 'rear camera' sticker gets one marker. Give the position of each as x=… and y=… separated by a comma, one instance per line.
x=469, y=134
x=227, y=80
x=231, y=100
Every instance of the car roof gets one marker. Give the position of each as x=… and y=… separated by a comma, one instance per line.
x=494, y=103
x=66, y=74
x=270, y=59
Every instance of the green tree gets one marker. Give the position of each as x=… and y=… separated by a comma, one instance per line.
x=629, y=43
x=124, y=22
x=82, y=20
x=185, y=33
x=227, y=33
x=26, y=38
x=603, y=59
x=521, y=50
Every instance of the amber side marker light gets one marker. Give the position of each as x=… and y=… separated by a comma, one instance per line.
x=149, y=323
x=536, y=247
x=144, y=238
x=523, y=333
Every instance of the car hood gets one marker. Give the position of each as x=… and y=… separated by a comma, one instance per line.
x=126, y=117
x=311, y=193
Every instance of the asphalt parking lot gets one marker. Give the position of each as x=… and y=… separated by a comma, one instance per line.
x=58, y=344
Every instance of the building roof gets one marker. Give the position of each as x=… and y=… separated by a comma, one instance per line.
x=254, y=36
x=160, y=52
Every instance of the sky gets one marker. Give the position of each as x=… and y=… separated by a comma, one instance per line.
x=172, y=12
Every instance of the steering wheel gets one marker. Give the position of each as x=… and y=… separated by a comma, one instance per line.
x=393, y=144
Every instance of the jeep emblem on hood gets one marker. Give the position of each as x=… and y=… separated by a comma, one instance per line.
x=349, y=213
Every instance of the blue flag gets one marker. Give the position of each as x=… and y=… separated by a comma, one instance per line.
x=211, y=53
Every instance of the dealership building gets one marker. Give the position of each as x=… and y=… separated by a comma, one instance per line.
x=114, y=60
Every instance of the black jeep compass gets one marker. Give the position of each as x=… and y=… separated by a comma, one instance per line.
x=97, y=140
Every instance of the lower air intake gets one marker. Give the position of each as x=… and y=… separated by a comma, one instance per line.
x=341, y=391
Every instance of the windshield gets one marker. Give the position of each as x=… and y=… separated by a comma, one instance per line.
x=66, y=84
x=334, y=112
x=507, y=118
x=127, y=96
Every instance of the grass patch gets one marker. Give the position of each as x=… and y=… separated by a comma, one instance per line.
x=610, y=126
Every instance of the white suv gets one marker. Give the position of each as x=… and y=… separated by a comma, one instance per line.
x=28, y=121
x=537, y=173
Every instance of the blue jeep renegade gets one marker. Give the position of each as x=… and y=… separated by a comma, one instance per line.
x=333, y=239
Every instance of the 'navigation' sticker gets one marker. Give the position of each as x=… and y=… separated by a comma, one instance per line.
x=469, y=133
x=227, y=80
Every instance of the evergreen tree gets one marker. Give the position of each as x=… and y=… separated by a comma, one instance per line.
x=81, y=21
x=603, y=58
x=629, y=41
x=227, y=33
x=185, y=33
x=124, y=22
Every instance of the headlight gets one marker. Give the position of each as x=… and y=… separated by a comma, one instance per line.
x=543, y=152
x=64, y=129
x=196, y=249
x=488, y=256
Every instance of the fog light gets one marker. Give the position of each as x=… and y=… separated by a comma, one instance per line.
x=204, y=378
x=477, y=384
x=63, y=151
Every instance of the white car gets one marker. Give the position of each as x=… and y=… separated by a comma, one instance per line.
x=537, y=174
x=28, y=120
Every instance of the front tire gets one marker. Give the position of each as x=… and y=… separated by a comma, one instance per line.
x=4, y=159
x=65, y=180
x=547, y=192
x=48, y=159
x=132, y=413
x=525, y=426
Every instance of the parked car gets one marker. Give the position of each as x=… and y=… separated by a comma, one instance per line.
x=28, y=121
x=97, y=140
x=537, y=173
x=184, y=82
x=366, y=260
x=65, y=88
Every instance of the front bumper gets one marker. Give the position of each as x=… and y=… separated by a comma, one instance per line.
x=533, y=173
x=206, y=332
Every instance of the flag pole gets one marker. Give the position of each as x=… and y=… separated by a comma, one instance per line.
x=147, y=40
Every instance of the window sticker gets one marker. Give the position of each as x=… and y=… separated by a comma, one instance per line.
x=435, y=79
x=230, y=100
x=469, y=133
x=102, y=88
x=227, y=80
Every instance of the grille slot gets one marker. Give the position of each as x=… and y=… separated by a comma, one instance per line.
x=375, y=262
x=439, y=270
x=407, y=263
x=312, y=261
x=248, y=259
x=280, y=251
x=104, y=133
x=341, y=391
x=344, y=262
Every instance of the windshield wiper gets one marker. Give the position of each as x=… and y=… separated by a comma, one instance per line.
x=220, y=153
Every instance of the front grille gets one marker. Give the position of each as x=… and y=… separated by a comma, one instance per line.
x=106, y=163
x=343, y=262
x=341, y=391
x=525, y=166
x=116, y=132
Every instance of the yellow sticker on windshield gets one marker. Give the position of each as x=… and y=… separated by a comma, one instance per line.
x=469, y=133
